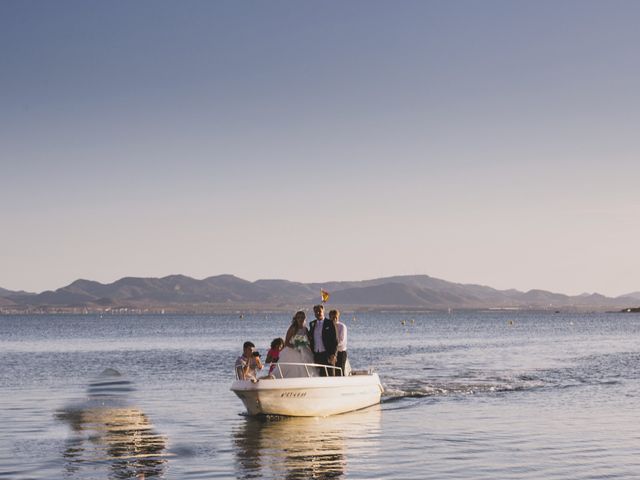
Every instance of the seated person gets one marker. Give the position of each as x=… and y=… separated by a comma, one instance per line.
x=248, y=364
x=273, y=355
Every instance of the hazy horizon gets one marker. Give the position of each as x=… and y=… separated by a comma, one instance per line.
x=492, y=143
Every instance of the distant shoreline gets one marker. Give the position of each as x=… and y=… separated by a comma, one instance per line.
x=346, y=310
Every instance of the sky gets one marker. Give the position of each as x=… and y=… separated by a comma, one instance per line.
x=490, y=142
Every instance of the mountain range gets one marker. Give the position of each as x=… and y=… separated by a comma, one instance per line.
x=180, y=293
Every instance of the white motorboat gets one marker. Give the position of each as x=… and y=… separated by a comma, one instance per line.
x=310, y=395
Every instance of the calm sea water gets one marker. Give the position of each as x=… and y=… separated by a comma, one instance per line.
x=468, y=396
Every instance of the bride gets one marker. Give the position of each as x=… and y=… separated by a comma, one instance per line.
x=297, y=349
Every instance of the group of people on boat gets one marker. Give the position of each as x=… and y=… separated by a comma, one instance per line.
x=323, y=343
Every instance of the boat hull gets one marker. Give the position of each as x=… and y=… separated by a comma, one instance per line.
x=309, y=397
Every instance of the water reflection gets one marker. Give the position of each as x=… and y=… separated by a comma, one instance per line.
x=303, y=448
x=108, y=432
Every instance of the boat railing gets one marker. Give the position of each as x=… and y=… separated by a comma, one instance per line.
x=311, y=370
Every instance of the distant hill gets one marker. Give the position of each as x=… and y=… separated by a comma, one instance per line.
x=179, y=293
x=7, y=296
x=5, y=292
x=635, y=296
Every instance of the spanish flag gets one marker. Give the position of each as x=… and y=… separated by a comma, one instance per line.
x=325, y=295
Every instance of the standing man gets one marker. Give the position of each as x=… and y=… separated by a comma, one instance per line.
x=324, y=341
x=341, y=330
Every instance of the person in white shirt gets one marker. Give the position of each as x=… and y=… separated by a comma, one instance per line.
x=248, y=364
x=341, y=329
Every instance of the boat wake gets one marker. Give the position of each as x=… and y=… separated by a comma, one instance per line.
x=399, y=389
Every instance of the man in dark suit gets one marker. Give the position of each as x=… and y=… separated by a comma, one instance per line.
x=324, y=341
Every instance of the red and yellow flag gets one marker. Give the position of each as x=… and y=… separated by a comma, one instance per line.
x=325, y=295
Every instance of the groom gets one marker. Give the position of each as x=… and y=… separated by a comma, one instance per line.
x=324, y=341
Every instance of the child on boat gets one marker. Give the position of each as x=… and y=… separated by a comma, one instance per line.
x=273, y=355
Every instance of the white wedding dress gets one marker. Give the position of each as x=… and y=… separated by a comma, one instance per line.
x=301, y=354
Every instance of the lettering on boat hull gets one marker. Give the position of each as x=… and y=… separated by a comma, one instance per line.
x=293, y=394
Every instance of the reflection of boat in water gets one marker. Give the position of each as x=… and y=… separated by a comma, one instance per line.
x=108, y=430
x=304, y=447
x=309, y=396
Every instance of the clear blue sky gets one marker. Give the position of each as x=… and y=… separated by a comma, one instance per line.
x=489, y=142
